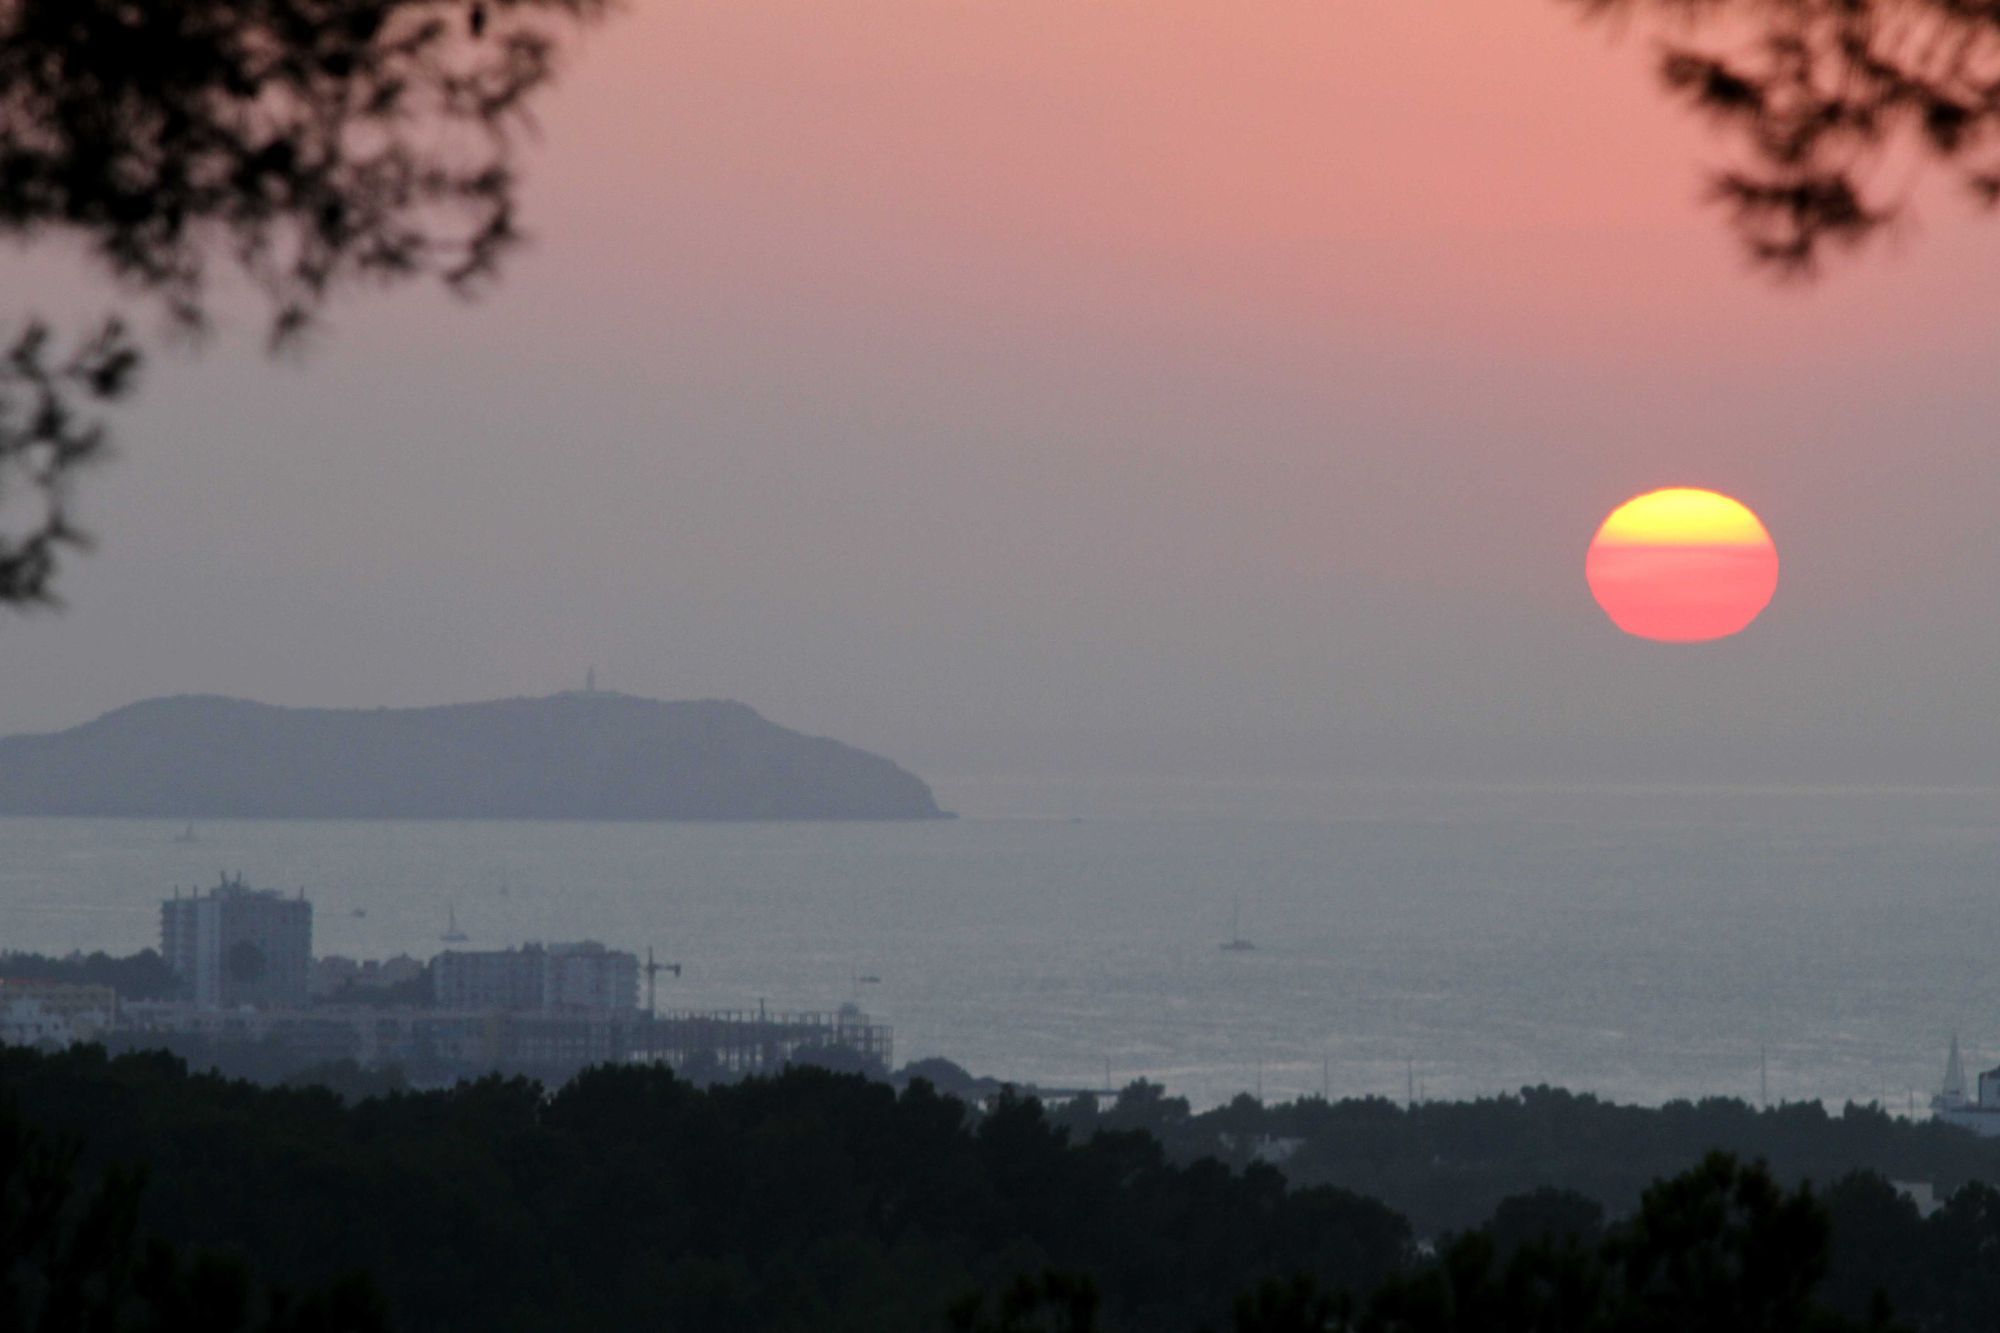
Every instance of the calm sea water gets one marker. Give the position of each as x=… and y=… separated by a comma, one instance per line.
x=1642, y=944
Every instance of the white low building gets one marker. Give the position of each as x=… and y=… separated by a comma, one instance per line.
x=34, y=1012
x=1981, y=1113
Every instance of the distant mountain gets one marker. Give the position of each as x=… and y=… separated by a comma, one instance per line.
x=584, y=755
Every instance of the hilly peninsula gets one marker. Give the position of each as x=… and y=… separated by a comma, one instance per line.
x=583, y=755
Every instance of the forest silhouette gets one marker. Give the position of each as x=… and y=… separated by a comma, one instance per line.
x=630, y=1197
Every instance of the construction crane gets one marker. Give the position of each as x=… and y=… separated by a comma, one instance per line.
x=653, y=971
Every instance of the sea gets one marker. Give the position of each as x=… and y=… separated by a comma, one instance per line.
x=1640, y=943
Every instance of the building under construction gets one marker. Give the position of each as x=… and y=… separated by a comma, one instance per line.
x=437, y=1046
x=733, y=1042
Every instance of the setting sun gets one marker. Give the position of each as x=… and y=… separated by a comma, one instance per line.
x=1682, y=565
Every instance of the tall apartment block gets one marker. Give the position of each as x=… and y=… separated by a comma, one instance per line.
x=236, y=945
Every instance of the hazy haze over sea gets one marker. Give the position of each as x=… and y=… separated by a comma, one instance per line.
x=1639, y=943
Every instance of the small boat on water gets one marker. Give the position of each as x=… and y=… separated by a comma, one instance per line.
x=1236, y=943
x=186, y=835
x=452, y=934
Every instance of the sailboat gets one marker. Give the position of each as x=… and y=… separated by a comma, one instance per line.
x=186, y=835
x=452, y=934
x=1236, y=942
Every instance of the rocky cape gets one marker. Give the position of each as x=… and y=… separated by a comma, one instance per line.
x=586, y=755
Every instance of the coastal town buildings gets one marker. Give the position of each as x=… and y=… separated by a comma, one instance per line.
x=541, y=978
x=34, y=1012
x=254, y=1000
x=333, y=973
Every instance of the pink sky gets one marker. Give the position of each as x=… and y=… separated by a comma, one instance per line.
x=1034, y=384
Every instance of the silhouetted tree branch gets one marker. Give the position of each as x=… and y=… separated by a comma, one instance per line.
x=1829, y=101
x=46, y=438
x=311, y=145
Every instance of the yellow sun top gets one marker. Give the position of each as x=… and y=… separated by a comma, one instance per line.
x=1683, y=516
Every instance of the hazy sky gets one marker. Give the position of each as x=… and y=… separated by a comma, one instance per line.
x=1035, y=386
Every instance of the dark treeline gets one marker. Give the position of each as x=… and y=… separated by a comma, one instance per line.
x=140, y=976
x=815, y=1200
x=631, y=1199
x=1447, y=1165
x=74, y=1256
